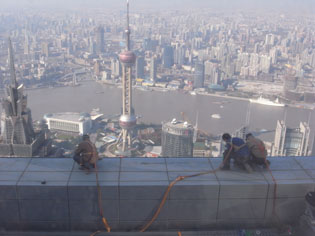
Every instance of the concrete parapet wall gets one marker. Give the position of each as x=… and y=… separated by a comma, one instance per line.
x=54, y=195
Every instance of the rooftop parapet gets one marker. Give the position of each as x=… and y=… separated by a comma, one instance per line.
x=54, y=195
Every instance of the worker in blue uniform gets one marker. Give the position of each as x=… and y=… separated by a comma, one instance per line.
x=241, y=156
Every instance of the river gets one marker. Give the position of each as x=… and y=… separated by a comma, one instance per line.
x=155, y=107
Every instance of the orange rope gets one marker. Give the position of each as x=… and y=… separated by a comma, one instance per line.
x=99, y=196
x=180, y=178
x=179, y=233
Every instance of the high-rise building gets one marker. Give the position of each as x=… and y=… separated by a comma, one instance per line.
x=100, y=40
x=18, y=136
x=168, y=57
x=291, y=141
x=153, y=68
x=177, y=139
x=199, y=75
x=116, y=68
x=45, y=49
x=140, y=67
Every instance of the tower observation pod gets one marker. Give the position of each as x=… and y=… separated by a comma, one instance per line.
x=128, y=119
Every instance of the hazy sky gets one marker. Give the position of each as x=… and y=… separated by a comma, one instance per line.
x=137, y=4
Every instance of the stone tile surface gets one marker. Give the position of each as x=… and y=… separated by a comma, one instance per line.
x=14, y=164
x=142, y=190
x=88, y=210
x=8, y=190
x=103, y=176
x=45, y=176
x=35, y=190
x=141, y=210
x=243, y=189
x=307, y=163
x=44, y=210
x=9, y=211
x=89, y=191
x=205, y=177
x=239, y=175
x=143, y=164
x=192, y=209
x=286, y=175
x=50, y=164
x=195, y=190
x=10, y=176
x=284, y=163
x=188, y=164
x=291, y=188
x=241, y=209
x=143, y=176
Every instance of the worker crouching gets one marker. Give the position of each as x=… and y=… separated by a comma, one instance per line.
x=86, y=154
x=241, y=155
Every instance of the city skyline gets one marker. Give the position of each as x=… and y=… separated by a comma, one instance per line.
x=173, y=4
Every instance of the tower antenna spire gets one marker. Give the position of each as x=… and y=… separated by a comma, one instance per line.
x=12, y=67
x=128, y=28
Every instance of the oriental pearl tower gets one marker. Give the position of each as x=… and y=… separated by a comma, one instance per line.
x=128, y=119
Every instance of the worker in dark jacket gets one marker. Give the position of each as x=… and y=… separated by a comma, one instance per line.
x=241, y=156
x=86, y=154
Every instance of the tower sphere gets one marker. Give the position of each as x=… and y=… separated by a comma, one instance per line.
x=127, y=58
x=127, y=121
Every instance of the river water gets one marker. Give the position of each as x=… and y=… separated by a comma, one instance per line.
x=155, y=107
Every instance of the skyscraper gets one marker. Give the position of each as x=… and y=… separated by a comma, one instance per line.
x=291, y=141
x=153, y=68
x=140, y=67
x=199, y=75
x=168, y=57
x=127, y=120
x=18, y=136
x=100, y=40
x=177, y=139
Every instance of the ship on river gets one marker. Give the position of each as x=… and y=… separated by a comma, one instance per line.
x=264, y=101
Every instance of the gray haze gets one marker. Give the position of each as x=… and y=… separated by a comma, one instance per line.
x=175, y=4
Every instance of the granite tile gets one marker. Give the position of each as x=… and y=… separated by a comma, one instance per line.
x=8, y=190
x=291, y=188
x=192, y=209
x=238, y=175
x=102, y=176
x=241, y=209
x=10, y=176
x=195, y=190
x=33, y=190
x=9, y=211
x=44, y=210
x=45, y=177
x=307, y=163
x=141, y=210
x=188, y=164
x=88, y=210
x=243, y=189
x=14, y=164
x=143, y=176
x=50, y=164
x=142, y=190
x=88, y=190
x=286, y=175
x=205, y=177
x=287, y=209
x=143, y=164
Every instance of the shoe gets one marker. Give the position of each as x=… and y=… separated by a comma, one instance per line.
x=248, y=168
x=225, y=168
